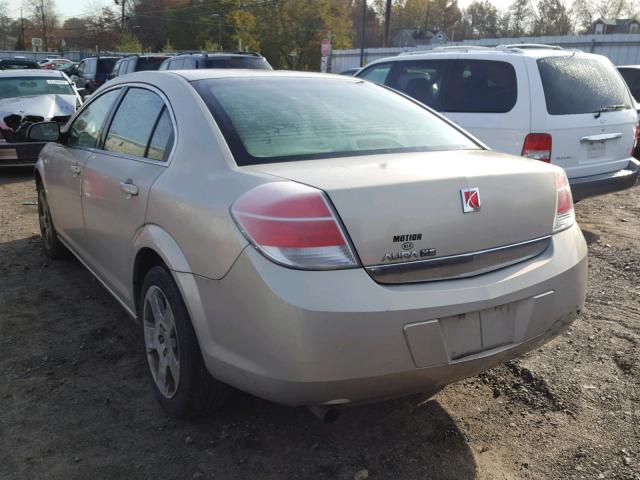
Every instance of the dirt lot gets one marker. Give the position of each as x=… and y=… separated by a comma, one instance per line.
x=75, y=401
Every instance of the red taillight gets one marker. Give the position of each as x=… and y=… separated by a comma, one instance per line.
x=565, y=216
x=537, y=146
x=635, y=139
x=294, y=225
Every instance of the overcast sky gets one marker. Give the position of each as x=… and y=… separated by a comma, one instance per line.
x=72, y=8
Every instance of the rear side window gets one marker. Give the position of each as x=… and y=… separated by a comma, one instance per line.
x=255, y=63
x=148, y=63
x=632, y=77
x=162, y=138
x=377, y=73
x=578, y=84
x=133, y=122
x=422, y=80
x=105, y=65
x=481, y=86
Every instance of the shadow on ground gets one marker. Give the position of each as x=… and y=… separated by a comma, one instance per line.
x=76, y=403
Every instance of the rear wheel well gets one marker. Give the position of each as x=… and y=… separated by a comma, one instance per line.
x=146, y=259
x=38, y=180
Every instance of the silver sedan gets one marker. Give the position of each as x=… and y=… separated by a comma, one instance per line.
x=312, y=239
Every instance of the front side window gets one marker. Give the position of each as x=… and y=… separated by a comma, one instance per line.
x=133, y=122
x=481, y=86
x=575, y=84
x=87, y=127
x=422, y=80
x=90, y=66
x=377, y=73
x=268, y=120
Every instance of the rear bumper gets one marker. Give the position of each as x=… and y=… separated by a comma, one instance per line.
x=312, y=338
x=585, y=187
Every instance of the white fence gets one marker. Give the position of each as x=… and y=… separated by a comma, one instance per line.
x=621, y=49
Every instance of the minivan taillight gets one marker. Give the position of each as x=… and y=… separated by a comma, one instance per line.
x=565, y=215
x=293, y=225
x=537, y=146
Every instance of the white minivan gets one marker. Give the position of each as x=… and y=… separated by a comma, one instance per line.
x=565, y=107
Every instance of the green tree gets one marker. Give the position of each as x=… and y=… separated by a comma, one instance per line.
x=483, y=18
x=128, y=43
x=554, y=19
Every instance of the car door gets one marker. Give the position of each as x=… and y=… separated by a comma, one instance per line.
x=78, y=76
x=64, y=163
x=117, y=180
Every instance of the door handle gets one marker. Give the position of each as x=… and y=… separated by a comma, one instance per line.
x=129, y=189
x=75, y=169
x=601, y=138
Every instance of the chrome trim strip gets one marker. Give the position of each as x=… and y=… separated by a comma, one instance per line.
x=601, y=138
x=458, y=266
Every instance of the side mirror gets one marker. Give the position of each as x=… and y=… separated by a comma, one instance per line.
x=44, y=132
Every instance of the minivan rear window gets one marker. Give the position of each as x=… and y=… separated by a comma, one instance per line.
x=276, y=119
x=578, y=84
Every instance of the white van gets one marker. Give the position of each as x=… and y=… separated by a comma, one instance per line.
x=560, y=106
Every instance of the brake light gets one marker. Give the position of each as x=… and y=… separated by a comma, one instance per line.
x=293, y=225
x=537, y=146
x=635, y=139
x=565, y=215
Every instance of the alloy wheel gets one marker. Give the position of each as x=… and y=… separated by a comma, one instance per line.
x=161, y=341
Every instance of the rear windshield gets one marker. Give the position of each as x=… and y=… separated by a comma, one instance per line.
x=105, y=65
x=266, y=120
x=578, y=84
x=22, y=87
x=149, y=63
x=256, y=63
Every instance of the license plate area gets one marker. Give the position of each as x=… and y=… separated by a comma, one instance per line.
x=596, y=150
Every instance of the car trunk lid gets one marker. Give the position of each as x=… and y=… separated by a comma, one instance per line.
x=408, y=207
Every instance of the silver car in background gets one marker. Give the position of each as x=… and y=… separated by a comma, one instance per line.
x=311, y=239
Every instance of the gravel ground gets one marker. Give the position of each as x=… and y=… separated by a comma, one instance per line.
x=75, y=401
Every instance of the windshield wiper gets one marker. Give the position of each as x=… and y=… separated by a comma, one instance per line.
x=609, y=108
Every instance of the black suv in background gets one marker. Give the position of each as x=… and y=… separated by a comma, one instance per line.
x=17, y=64
x=188, y=61
x=137, y=63
x=93, y=72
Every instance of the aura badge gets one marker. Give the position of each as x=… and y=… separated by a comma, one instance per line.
x=470, y=199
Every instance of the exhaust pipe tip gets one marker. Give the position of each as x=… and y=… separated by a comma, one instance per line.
x=325, y=414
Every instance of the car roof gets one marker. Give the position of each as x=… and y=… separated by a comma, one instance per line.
x=635, y=67
x=528, y=50
x=214, y=73
x=32, y=73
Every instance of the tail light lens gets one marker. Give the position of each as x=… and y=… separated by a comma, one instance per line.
x=537, y=146
x=565, y=216
x=635, y=139
x=293, y=225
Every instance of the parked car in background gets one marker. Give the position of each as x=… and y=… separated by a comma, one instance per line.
x=560, y=106
x=69, y=69
x=188, y=61
x=137, y=63
x=26, y=97
x=312, y=239
x=93, y=72
x=55, y=63
x=49, y=58
x=350, y=72
x=18, y=64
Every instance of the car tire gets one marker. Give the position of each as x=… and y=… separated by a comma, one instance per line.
x=52, y=245
x=180, y=379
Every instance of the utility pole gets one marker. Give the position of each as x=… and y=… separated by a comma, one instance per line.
x=22, y=30
x=44, y=26
x=387, y=23
x=363, y=33
x=122, y=20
